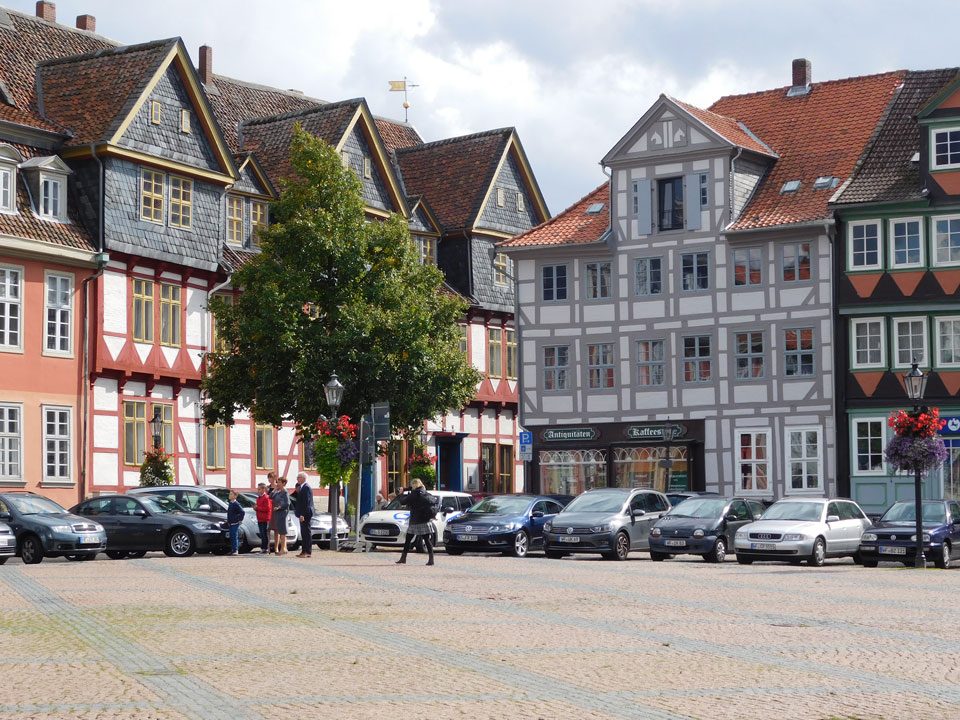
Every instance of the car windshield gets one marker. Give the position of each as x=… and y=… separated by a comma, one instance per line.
x=699, y=508
x=906, y=512
x=162, y=505
x=33, y=505
x=501, y=506
x=597, y=502
x=803, y=511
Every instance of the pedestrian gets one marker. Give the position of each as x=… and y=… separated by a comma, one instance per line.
x=305, y=510
x=272, y=487
x=380, y=502
x=422, y=511
x=234, y=518
x=391, y=497
x=263, y=507
x=281, y=504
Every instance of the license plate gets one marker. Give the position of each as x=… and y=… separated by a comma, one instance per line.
x=378, y=531
x=89, y=541
x=467, y=538
x=675, y=543
x=6, y=542
x=763, y=546
x=569, y=538
x=888, y=550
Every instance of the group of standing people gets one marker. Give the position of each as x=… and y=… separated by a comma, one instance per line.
x=273, y=505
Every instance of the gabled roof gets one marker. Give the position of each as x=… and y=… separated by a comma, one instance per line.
x=945, y=98
x=419, y=202
x=821, y=133
x=573, y=226
x=397, y=134
x=734, y=132
x=247, y=159
x=886, y=172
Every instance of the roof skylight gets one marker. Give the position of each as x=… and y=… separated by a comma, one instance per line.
x=790, y=186
x=595, y=208
x=825, y=181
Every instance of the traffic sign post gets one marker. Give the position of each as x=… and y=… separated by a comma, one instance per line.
x=526, y=446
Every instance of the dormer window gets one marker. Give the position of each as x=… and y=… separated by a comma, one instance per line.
x=47, y=179
x=9, y=159
x=945, y=146
x=50, y=193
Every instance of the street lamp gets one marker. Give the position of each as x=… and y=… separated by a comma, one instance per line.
x=915, y=382
x=333, y=391
x=157, y=426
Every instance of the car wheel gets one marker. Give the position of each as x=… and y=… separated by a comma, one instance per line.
x=819, y=553
x=621, y=546
x=553, y=554
x=179, y=544
x=453, y=551
x=294, y=545
x=744, y=560
x=658, y=556
x=719, y=552
x=31, y=550
x=943, y=561
x=870, y=563
x=3, y=560
x=521, y=544
x=136, y=554
x=116, y=554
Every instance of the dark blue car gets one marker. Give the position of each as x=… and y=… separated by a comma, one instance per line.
x=511, y=524
x=893, y=537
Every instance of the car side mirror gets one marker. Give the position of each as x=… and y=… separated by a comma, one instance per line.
x=140, y=512
x=537, y=514
x=833, y=518
x=638, y=512
x=447, y=510
x=203, y=508
x=4, y=516
x=731, y=517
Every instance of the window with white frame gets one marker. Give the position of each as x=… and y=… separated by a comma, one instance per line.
x=648, y=276
x=59, y=313
x=798, y=352
x=556, y=367
x=51, y=198
x=946, y=148
x=947, y=241
x=600, y=366
x=910, y=341
x=651, y=366
x=747, y=266
x=864, y=246
x=868, y=342
x=11, y=309
x=753, y=461
x=750, y=355
x=8, y=189
x=697, y=366
x=868, y=446
x=554, y=282
x=796, y=262
x=804, y=461
x=599, y=282
x=56, y=444
x=10, y=442
x=906, y=242
x=948, y=341
x=695, y=271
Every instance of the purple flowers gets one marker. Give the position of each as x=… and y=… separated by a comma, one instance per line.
x=347, y=451
x=911, y=454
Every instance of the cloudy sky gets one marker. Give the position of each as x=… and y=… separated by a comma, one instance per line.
x=571, y=75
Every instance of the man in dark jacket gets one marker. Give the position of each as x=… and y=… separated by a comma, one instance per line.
x=234, y=518
x=305, y=509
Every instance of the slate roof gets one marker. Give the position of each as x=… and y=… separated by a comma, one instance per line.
x=573, y=226
x=454, y=174
x=820, y=133
x=397, y=135
x=234, y=258
x=269, y=138
x=885, y=172
x=91, y=94
x=729, y=129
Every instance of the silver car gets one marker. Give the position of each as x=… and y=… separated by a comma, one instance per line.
x=8, y=543
x=608, y=521
x=798, y=529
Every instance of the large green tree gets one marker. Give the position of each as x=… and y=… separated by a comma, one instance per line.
x=332, y=292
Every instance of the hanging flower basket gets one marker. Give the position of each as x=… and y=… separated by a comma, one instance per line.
x=157, y=468
x=336, y=450
x=917, y=445
x=421, y=465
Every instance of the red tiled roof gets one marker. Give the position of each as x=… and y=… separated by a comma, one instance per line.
x=90, y=94
x=727, y=128
x=821, y=133
x=235, y=258
x=396, y=134
x=269, y=138
x=454, y=174
x=571, y=227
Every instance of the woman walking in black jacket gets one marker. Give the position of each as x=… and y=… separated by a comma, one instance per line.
x=422, y=510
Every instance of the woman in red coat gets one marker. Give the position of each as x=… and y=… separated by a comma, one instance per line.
x=264, y=508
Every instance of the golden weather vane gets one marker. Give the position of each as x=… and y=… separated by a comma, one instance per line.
x=402, y=86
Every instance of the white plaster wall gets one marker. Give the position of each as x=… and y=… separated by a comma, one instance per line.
x=184, y=475
x=240, y=441
x=478, y=346
x=105, y=395
x=114, y=302
x=105, y=468
x=189, y=402
x=162, y=392
x=471, y=449
x=189, y=431
x=557, y=403
x=554, y=314
x=131, y=478
x=240, y=472
x=599, y=313
x=602, y=403
x=196, y=317
x=488, y=422
x=137, y=389
x=526, y=269
x=106, y=431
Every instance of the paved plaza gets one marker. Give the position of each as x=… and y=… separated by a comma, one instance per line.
x=356, y=636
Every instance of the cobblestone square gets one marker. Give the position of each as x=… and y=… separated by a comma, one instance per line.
x=354, y=635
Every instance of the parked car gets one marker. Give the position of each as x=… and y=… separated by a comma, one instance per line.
x=894, y=537
x=388, y=527
x=609, y=521
x=199, y=499
x=678, y=497
x=798, y=529
x=44, y=529
x=136, y=525
x=8, y=543
x=511, y=524
x=702, y=525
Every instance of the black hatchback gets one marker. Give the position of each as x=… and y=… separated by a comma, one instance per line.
x=137, y=524
x=702, y=525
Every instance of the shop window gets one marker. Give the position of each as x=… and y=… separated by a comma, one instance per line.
x=658, y=467
x=570, y=472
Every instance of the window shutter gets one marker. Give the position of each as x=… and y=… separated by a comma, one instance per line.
x=641, y=200
x=691, y=200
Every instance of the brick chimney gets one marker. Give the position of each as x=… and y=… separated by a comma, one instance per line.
x=87, y=22
x=47, y=10
x=206, y=64
x=802, y=72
